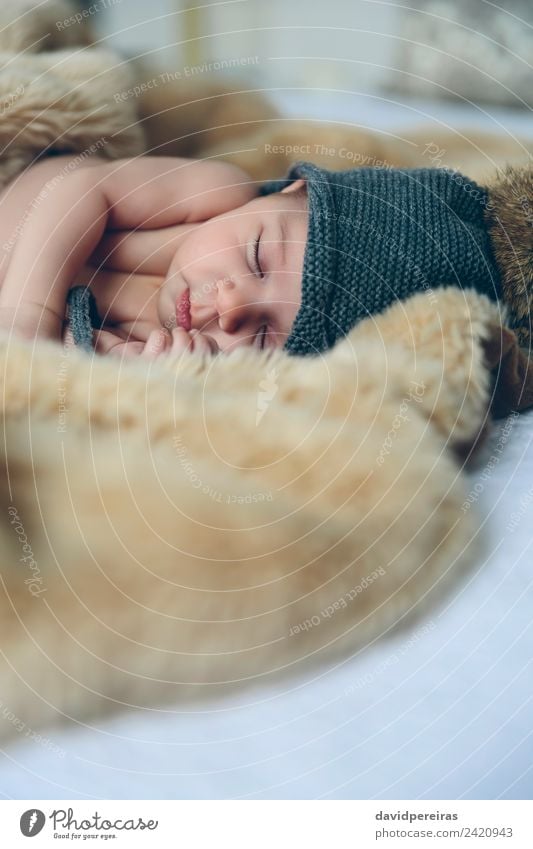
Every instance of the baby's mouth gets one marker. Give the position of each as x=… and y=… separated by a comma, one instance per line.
x=183, y=310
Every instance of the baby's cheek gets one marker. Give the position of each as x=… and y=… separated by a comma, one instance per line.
x=174, y=265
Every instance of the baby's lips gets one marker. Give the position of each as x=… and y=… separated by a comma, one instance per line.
x=183, y=310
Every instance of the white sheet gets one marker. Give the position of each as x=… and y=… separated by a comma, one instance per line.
x=448, y=716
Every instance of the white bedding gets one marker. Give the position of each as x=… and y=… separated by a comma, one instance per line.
x=446, y=715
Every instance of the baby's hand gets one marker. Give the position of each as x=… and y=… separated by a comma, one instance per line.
x=111, y=342
x=161, y=342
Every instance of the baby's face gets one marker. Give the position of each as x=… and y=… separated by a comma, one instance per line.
x=242, y=272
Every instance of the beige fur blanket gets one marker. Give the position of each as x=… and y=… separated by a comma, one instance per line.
x=171, y=530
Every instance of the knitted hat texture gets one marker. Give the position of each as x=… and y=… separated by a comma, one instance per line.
x=377, y=235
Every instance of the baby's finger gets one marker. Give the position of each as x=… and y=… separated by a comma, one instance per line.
x=110, y=343
x=181, y=340
x=204, y=342
x=156, y=343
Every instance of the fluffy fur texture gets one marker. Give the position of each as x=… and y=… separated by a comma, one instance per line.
x=149, y=578
x=58, y=100
x=173, y=530
x=273, y=146
x=510, y=219
x=30, y=26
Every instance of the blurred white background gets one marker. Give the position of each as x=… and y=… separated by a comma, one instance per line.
x=298, y=39
x=458, y=49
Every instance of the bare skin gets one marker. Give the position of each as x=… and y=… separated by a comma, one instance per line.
x=142, y=232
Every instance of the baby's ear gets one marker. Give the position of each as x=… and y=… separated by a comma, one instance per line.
x=298, y=185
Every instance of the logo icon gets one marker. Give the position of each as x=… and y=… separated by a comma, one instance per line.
x=32, y=822
x=269, y=388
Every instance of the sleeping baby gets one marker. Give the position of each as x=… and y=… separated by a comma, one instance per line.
x=191, y=255
x=179, y=254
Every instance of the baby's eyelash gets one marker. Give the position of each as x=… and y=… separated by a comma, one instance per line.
x=254, y=257
x=260, y=337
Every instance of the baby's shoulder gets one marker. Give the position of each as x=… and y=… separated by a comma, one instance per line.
x=49, y=169
x=17, y=197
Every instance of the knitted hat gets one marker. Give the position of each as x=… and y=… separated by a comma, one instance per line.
x=379, y=235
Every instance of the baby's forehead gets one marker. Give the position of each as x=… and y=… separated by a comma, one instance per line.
x=282, y=204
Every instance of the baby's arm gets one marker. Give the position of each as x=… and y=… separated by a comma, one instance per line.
x=63, y=230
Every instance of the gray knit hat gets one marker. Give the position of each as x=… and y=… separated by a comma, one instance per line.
x=377, y=235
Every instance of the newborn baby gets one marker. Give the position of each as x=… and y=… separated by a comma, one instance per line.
x=179, y=254
x=182, y=254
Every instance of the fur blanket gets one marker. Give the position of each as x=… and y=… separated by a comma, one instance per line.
x=172, y=530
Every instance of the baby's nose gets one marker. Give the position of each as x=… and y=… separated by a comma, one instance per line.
x=232, y=304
